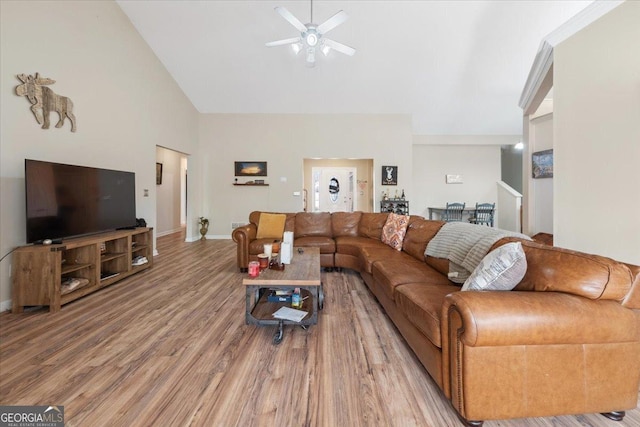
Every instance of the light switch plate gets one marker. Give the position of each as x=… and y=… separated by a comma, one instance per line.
x=454, y=179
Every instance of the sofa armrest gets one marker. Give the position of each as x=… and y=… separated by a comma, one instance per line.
x=520, y=354
x=243, y=236
x=538, y=318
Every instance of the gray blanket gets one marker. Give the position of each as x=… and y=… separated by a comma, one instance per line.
x=464, y=245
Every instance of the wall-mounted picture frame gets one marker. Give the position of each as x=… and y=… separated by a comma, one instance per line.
x=250, y=168
x=389, y=175
x=542, y=164
x=158, y=173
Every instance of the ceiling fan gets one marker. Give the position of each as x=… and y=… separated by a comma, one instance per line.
x=312, y=36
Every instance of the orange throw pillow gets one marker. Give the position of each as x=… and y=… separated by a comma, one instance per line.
x=271, y=226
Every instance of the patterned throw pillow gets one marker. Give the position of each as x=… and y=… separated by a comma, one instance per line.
x=501, y=270
x=394, y=230
x=271, y=226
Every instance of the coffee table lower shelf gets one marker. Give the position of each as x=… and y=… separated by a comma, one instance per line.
x=259, y=311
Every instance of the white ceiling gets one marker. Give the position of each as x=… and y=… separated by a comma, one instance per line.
x=458, y=67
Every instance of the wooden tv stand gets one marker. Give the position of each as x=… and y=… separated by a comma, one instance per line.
x=38, y=270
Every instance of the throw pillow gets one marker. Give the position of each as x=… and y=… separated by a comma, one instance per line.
x=501, y=270
x=394, y=230
x=271, y=226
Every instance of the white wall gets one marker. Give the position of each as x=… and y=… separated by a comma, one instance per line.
x=169, y=193
x=541, y=201
x=283, y=141
x=476, y=158
x=597, y=137
x=125, y=103
x=510, y=202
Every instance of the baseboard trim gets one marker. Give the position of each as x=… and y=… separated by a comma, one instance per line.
x=209, y=237
x=166, y=233
x=5, y=305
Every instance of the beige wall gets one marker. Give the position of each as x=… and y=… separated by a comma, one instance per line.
x=475, y=157
x=597, y=137
x=284, y=141
x=125, y=103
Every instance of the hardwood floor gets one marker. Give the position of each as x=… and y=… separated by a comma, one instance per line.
x=169, y=347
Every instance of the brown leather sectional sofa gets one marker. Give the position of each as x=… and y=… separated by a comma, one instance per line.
x=566, y=340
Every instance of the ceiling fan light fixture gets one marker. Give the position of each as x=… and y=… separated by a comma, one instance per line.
x=311, y=55
x=311, y=39
x=312, y=36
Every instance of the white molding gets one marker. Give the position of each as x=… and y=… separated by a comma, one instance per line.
x=219, y=236
x=5, y=305
x=544, y=58
x=541, y=66
x=509, y=189
x=209, y=237
x=166, y=233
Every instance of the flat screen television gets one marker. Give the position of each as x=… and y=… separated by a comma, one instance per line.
x=67, y=200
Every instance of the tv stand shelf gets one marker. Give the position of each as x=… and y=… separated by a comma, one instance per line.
x=39, y=270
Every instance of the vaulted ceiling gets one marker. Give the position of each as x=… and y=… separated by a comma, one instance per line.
x=457, y=67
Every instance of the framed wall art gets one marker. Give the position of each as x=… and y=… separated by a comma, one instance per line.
x=389, y=175
x=250, y=168
x=542, y=164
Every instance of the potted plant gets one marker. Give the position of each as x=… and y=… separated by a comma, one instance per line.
x=204, y=227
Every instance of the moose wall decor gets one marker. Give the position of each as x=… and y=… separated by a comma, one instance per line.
x=44, y=100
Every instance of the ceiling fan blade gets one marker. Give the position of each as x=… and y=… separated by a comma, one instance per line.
x=332, y=22
x=342, y=48
x=283, y=42
x=292, y=19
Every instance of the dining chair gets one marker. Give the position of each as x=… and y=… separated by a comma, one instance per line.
x=483, y=214
x=453, y=212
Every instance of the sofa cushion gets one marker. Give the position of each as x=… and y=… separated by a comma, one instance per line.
x=501, y=270
x=371, y=225
x=313, y=224
x=352, y=245
x=440, y=264
x=390, y=273
x=555, y=269
x=271, y=226
x=419, y=232
x=394, y=230
x=370, y=254
x=345, y=223
x=326, y=244
x=421, y=304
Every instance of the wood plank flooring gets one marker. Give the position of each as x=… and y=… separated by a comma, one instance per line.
x=169, y=347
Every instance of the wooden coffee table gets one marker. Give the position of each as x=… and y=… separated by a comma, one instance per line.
x=303, y=273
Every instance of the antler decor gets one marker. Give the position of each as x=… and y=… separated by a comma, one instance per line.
x=44, y=100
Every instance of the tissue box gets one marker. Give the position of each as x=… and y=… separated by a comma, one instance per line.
x=287, y=237
x=286, y=252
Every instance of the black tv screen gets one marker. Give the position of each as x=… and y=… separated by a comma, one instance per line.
x=66, y=200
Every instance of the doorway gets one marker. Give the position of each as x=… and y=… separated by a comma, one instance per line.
x=333, y=189
x=171, y=191
x=351, y=188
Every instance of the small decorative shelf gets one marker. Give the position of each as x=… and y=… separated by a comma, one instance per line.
x=398, y=206
x=250, y=184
